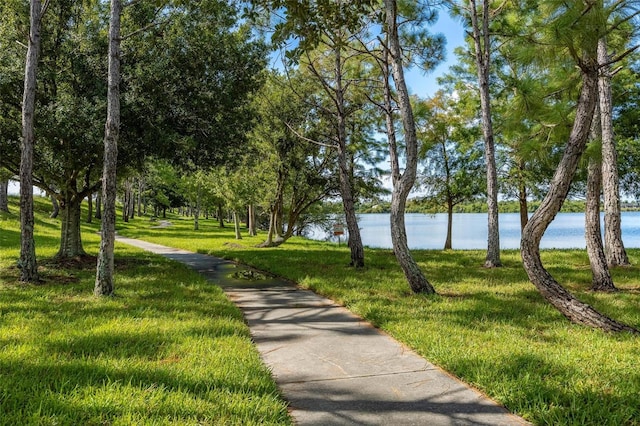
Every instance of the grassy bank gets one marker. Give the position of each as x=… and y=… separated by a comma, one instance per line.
x=489, y=327
x=169, y=349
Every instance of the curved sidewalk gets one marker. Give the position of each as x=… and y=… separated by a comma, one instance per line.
x=333, y=367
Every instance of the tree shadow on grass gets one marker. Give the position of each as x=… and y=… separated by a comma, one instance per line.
x=9, y=238
x=82, y=390
x=497, y=295
x=554, y=392
x=114, y=344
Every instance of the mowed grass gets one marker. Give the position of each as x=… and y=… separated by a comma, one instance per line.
x=168, y=349
x=491, y=328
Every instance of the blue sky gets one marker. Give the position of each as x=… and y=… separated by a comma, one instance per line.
x=424, y=85
x=421, y=83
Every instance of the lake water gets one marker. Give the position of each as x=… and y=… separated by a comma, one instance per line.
x=470, y=231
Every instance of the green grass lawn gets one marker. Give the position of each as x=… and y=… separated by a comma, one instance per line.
x=168, y=349
x=491, y=328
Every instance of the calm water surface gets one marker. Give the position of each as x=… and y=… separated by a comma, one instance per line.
x=470, y=231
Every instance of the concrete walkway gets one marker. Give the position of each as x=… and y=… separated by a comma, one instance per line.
x=333, y=367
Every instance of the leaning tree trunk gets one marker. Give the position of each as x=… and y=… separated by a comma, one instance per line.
x=4, y=196
x=220, y=216
x=104, y=285
x=575, y=310
x=55, y=207
x=70, y=235
x=601, y=280
x=27, y=263
x=272, y=224
x=483, y=61
x=402, y=182
x=279, y=221
x=614, y=247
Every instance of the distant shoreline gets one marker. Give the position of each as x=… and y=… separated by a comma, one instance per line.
x=420, y=206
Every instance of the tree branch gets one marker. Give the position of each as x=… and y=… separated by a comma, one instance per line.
x=45, y=6
x=304, y=138
x=621, y=56
x=146, y=27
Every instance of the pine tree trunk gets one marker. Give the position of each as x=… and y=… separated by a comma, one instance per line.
x=354, y=239
x=346, y=188
x=575, y=310
x=614, y=247
x=483, y=61
x=70, y=235
x=104, y=285
x=27, y=262
x=602, y=280
x=524, y=208
x=402, y=182
x=522, y=199
x=4, y=195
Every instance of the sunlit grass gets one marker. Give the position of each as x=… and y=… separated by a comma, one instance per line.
x=168, y=349
x=489, y=327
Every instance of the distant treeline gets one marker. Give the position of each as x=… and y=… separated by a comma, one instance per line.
x=480, y=206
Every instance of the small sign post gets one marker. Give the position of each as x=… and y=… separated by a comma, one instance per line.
x=338, y=230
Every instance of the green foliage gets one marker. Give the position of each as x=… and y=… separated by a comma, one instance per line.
x=422, y=205
x=489, y=327
x=188, y=73
x=168, y=349
x=162, y=186
x=454, y=164
x=309, y=22
x=626, y=94
x=629, y=160
x=188, y=83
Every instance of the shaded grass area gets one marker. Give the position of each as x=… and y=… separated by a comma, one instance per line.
x=490, y=327
x=168, y=349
